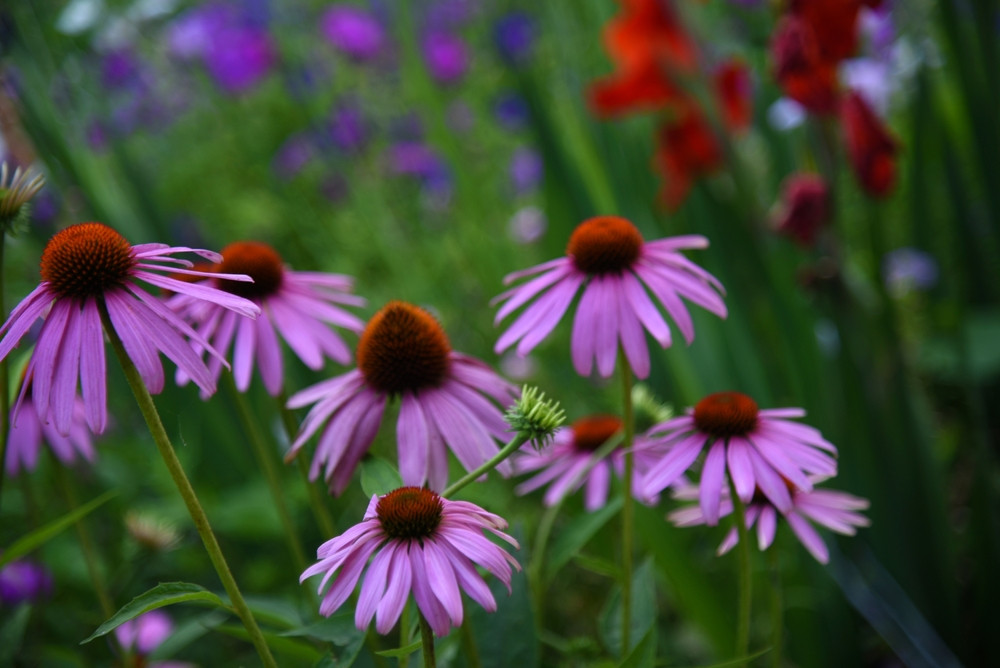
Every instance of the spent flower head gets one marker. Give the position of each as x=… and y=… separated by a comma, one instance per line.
x=15, y=194
x=649, y=410
x=535, y=417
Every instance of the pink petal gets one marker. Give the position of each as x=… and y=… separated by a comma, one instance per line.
x=740, y=468
x=809, y=538
x=712, y=479
x=412, y=438
x=397, y=591
x=93, y=370
x=269, y=361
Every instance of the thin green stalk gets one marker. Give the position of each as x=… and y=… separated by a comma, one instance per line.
x=320, y=511
x=777, y=611
x=744, y=576
x=159, y=434
x=472, y=659
x=65, y=484
x=265, y=457
x=628, y=509
x=504, y=453
x=4, y=380
x=427, y=639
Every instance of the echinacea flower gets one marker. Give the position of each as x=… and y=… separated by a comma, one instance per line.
x=760, y=450
x=832, y=509
x=28, y=433
x=608, y=258
x=561, y=463
x=444, y=399
x=423, y=544
x=297, y=305
x=87, y=268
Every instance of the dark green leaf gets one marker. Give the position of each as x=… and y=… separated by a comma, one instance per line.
x=378, y=476
x=33, y=540
x=643, y=611
x=578, y=533
x=400, y=652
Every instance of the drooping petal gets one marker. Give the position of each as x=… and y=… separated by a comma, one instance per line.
x=712, y=479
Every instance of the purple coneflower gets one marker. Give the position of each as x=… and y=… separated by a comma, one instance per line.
x=422, y=543
x=85, y=268
x=404, y=353
x=609, y=258
x=761, y=450
x=834, y=510
x=28, y=433
x=298, y=305
x=569, y=454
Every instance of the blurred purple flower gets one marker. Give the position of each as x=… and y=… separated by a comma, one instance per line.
x=907, y=269
x=348, y=128
x=446, y=56
x=97, y=136
x=354, y=31
x=292, y=156
x=446, y=14
x=875, y=75
x=44, y=206
x=22, y=581
x=515, y=37
x=527, y=225
x=413, y=158
x=190, y=36
x=239, y=57
x=146, y=632
x=119, y=68
x=526, y=169
x=512, y=111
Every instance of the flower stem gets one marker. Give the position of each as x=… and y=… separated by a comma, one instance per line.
x=427, y=638
x=265, y=458
x=159, y=434
x=777, y=611
x=504, y=453
x=320, y=511
x=472, y=659
x=628, y=508
x=4, y=381
x=745, y=582
x=65, y=484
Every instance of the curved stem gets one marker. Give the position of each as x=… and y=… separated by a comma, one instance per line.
x=628, y=508
x=745, y=581
x=265, y=457
x=159, y=434
x=504, y=453
x=320, y=511
x=427, y=638
x=777, y=619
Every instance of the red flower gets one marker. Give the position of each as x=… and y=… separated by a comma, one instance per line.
x=804, y=75
x=733, y=90
x=686, y=148
x=805, y=208
x=649, y=30
x=870, y=148
x=834, y=22
x=639, y=88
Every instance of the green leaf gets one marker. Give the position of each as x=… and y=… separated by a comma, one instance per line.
x=279, y=645
x=738, y=661
x=643, y=612
x=166, y=593
x=12, y=633
x=38, y=537
x=338, y=629
x=643, y=655
x=400, y=652
x=378, y=476
x=578, y=533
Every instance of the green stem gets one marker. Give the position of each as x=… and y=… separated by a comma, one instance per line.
x=745, y=582
x=265, y=457
x=628, y=508
x=427, y=638
x=504, y=453
x=472, y=659
x=159, y=434
x=65, y=485
x=777, y=621
x=320, y=511
x=4, y=382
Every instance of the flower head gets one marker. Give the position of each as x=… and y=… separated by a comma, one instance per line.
x=24, y=580
x=446, y=56
x=444, y=399
x=760, y=450
x=608, y=258
x=15, y=193
x=563, y=465
x=87, y=268
x=535, y=417
x=837, y=511
x=297, y=305
x=422, y=543
x=353, y=31
x=806, y=208
x=870, y=148
x=28, y=433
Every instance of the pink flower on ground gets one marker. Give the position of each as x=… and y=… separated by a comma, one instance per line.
x=84, y=267
x=28, y=433
x=609, y=259
x=760, y=449
x=561, y=462
x=403, y=352
x=298, y=305
x=834, y=510
x=422, y=543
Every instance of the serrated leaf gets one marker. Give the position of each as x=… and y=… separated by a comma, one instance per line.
x=38, y=537
x=163, y=594
x=578, y=533
x=378, y=476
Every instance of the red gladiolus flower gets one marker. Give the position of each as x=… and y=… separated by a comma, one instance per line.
x=686, y=148
x=804, y=75
x=640, y=88
x=805, y=208
x=870, y=148
x=732, y=88
x=834, y=22
x=649, y=30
